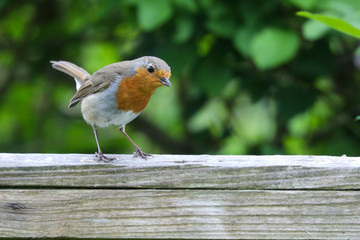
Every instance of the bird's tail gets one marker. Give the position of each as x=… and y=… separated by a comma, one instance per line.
x=78, y=73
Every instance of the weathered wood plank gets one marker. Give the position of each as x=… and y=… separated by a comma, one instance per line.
x=181, y=171
x=230, y=214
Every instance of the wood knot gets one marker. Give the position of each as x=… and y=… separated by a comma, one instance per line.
x=17, y=206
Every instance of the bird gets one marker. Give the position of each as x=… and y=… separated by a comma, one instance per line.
x=116, y=94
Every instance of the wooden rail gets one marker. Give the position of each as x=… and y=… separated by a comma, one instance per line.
x=179, y=196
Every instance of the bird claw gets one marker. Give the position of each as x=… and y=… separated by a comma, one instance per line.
x=141, y=154
x=103, y=158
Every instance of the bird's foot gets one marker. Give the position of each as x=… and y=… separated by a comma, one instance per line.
x=141, y=154
x=103, y=158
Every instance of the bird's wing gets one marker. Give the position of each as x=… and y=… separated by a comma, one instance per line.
x=98, y=82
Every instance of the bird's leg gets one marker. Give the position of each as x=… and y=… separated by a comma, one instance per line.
x=138, y=152
x=99, y=154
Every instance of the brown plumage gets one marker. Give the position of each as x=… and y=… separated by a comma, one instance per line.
x=134, y=92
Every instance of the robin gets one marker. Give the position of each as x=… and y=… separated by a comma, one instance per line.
x=117, y=93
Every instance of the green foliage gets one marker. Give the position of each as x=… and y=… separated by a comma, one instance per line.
x=248, y=78
x=212, y=116
x=272, y=47
x=153, y=13
x=334, y=22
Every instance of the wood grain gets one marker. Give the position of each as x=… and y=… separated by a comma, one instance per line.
x=210, y=214
x=179, y=196
x=181, y=171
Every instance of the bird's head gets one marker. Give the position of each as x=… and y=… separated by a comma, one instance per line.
x=154, y=71
x=145, y=74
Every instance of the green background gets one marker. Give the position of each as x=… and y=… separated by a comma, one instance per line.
x=249, y=77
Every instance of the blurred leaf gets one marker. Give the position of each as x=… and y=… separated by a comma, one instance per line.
x=126, y=31
x=187, y=4
x=308, y=122
x=205, y=44
x=184, y=29
x=6, y=59
x=129, y=36
x=8, y=122
x=212, y=117
x=254, y=122
x=272, y=47
x=15, y=24
x=314, y=30
x=224, y=27
x=333, y=22
x=233, y=145
x=324, y=84
x=22, y=96
x=75, y=21
x=304, y=4
x=231, y=89
x=295, y=145
x=342, y=8
x=242, y=40
x=62, y=95
x=353, y=17
x=153, y=13
x=210, y=77
x=214, y=9
x=80, y=135
x=98, y=54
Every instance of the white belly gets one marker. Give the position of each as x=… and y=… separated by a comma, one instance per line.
x=101, y=110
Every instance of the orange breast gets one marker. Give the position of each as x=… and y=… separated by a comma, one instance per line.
x=134, y=92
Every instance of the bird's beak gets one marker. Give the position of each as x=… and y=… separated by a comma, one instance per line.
x=165, y=81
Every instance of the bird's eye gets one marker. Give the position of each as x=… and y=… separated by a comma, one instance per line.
x=151, y=68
